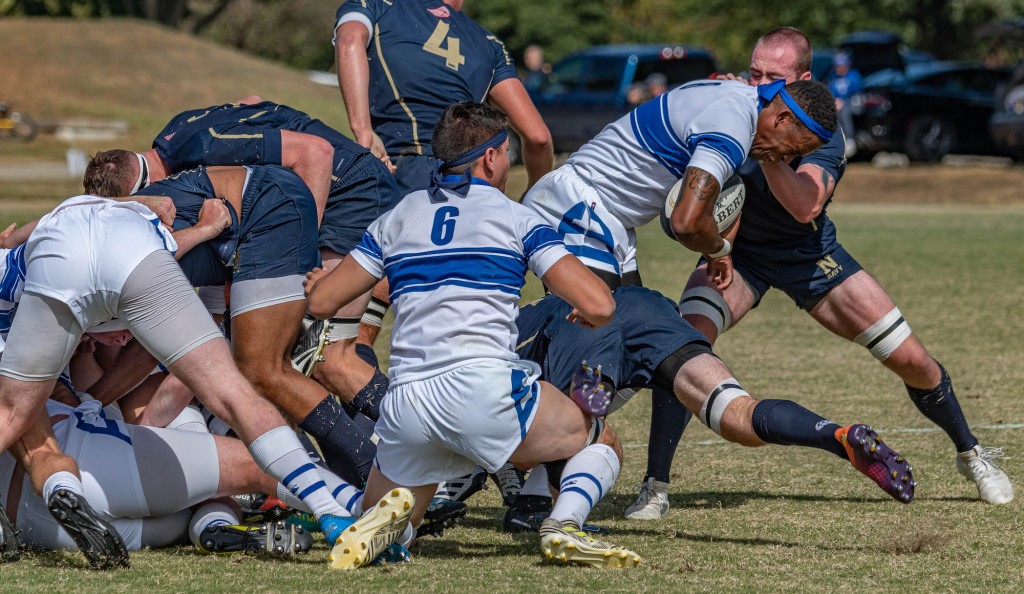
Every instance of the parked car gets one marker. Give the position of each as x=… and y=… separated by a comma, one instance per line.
x=1007, y=124
x=928, y=110
x=590, y=89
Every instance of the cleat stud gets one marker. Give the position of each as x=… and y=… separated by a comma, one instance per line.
x=905, y=479
x=899, y=459
x=549, y=555
x=873, y=449
x=899, y=488
x=362, y=545
x=347, y=552
x=894, y=474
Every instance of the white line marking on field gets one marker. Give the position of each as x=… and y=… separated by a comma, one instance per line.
x=882, y=432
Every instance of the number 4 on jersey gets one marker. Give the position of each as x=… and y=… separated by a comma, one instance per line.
x=451, y=54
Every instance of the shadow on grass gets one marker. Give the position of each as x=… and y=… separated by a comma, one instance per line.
x=613, y=505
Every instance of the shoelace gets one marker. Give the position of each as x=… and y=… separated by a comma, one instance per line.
x=990, y=454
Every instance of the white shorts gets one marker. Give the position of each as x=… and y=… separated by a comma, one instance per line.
x=576, y=210
x=437, y=428
x=110, y=454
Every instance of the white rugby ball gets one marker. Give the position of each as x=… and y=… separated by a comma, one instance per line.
x=727, y=206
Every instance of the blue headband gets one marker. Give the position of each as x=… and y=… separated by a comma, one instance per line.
x=460, y=184
x=766, y=93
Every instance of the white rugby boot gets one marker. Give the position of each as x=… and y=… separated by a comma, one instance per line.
x=651, y=503
x=977, y=465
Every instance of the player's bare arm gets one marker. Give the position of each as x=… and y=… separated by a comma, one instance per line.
x=132, y=365
x=312, y=159
x=802, y=192
x=327, y=292
x=692, y=220
x=13, y=236
x=592, y=301
x=213, y=218
x=538, y=153
x=354, y=83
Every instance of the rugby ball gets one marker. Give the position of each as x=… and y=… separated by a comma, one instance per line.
x=727, y=206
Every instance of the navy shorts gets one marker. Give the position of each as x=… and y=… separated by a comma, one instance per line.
x=278, y=226
x=413, y=172
x=359, y=197
x=804, y=270
x=645, y=330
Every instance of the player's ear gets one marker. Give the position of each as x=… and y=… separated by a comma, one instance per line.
x=805, y=76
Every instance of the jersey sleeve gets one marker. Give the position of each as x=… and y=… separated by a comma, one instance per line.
x=831, y=157
x=367, y=12
x=504, y=67
x=368, y=252
x=719, y=139
x=542, y=246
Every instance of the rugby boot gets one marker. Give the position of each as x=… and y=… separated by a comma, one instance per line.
x=588, y=390
x=97, y=539
x=309, y=347
x=977, y=465
x=10, y=544
x=395, y=553
x=258, y=508
x=461, y=488
x=441, y=514
x=273, y=538
x=880, y=463
x=526, y=514
x=651, y=503
x=375, y=531
x=565, y=542
x=510, y=480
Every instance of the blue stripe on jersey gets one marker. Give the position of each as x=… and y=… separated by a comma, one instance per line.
x=725, y=145
x=14, y=273
x=538, y=238
x=652, y=127
x=369, y=246
x=462, y=268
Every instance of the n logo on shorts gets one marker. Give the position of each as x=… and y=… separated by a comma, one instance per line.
x=829, y=266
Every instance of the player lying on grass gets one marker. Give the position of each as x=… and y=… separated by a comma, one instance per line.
x=786, y=241
x=94, y=259
x=648, y=345
x=357, y=189
x=455, y=256
x=147, y=483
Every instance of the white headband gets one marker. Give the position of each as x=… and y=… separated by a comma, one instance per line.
x=143, y=179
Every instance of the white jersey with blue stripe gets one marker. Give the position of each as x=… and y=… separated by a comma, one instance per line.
x=455, y=270
x=636, y=160
x=12, y=284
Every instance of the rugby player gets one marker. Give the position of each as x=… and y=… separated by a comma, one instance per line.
x=455, y=256
x=787, y=241
x=93, y=259
x=357, y=187
x=400, y=64
x=648, y=345
x=145, y=482
x=700, y=132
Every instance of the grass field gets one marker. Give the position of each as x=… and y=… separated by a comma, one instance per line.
x=767, y=520
x=946, y=242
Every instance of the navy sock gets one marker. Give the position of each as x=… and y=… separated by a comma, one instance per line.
x=784, y=422
x=942, y=408
x=367, y=400
x=668, y=420
x=346, y=448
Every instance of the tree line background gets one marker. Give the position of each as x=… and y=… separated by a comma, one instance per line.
x=298, y=32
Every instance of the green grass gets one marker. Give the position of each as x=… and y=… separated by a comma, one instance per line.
x=749, y=520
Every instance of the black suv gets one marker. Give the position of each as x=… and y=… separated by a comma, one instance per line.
x=588, y=90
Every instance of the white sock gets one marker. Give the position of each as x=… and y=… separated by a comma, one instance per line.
x=279, y=453
x=587, y=477
x=537, y=482
x=211, y=513
x=407, y=536
x=345, y=494
x=189, y=419
x=62, y=480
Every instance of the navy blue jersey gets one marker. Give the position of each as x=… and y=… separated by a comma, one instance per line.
x=234, y=134
x=765, y=220
x=423, y=56
x=202, y=264
x=644, y=331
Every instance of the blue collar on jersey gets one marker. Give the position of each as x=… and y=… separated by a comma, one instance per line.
x=766, y=93
x=460, y=183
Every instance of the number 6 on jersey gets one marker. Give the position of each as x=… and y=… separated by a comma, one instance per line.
x=444, y=225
